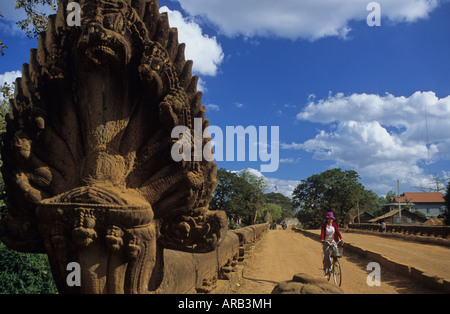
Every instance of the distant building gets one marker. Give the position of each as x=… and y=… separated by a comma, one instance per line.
x=393, y=217
x=429, y=204
x=364, y=217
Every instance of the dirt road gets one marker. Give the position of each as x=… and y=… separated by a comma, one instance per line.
x=282, y=253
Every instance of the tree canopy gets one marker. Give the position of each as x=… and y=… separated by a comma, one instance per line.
x=241, y=196
x=283, y=202
x=36, y=20
x=333, y=190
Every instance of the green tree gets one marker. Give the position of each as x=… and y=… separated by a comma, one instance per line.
x=24, y=273
x=240, y=196
x=369, y=201
x=274, y=210
x=224, y=192
x=36, y=20
x=447, y=205
x=254, y=199
x=390, y=195
x=333, y=190
x=226, y=196
x=284, y=202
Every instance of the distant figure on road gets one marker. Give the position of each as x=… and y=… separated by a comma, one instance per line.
x=383, y=227
x=329, y=235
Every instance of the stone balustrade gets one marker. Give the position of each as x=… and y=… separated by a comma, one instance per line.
x=187, y=273
x=430, y=231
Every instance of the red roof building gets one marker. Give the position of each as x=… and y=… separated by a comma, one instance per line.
x=430, y=204
x=416, y=197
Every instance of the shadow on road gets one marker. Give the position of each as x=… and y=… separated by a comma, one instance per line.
x=402, y=284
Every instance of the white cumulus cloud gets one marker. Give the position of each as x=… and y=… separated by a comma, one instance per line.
x=311, y=19
x=382, y=137
x=205, y=51
x=283, y=186
x=9, y=78
x=411, y=116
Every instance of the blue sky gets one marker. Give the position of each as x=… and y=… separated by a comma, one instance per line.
x=343, y=94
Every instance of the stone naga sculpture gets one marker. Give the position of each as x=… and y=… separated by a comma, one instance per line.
x=87, y=152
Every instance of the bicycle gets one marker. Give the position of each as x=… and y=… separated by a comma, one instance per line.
x=335, y=268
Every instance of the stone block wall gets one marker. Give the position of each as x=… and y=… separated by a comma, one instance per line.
x=187, y=273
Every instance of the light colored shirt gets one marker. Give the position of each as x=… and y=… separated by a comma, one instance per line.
x=329, y=233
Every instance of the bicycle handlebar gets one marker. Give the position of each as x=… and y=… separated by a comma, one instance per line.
x=335, y=242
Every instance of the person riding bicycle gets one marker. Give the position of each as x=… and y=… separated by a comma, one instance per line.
x=329, y=235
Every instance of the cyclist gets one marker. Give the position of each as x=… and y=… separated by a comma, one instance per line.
x=329, y=235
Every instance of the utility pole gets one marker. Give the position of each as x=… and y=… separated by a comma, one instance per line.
x=399, y=209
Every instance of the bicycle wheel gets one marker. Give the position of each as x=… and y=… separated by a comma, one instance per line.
x=337, y=273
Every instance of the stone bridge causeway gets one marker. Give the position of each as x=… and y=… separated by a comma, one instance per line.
x=254, y=260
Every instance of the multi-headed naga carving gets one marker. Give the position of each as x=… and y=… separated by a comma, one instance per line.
x=87, y=163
